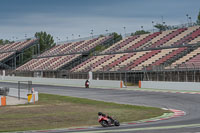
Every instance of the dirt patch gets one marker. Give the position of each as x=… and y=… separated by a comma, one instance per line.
x=15, y=101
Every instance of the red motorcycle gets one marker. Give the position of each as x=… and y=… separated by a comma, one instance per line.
x=107, y=121
x=87, y=83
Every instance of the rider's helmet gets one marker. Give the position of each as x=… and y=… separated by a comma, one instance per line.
x=99, y=113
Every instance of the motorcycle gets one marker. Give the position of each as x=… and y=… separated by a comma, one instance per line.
x=107, y=121
x=87, y=84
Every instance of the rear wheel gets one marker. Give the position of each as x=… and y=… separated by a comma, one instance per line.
x=104, y=123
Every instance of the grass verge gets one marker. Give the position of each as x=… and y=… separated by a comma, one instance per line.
x=53, y=111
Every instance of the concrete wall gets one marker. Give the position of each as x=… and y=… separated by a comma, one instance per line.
x=189, y=86
x=63, y=82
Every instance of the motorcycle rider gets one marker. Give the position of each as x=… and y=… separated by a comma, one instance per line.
x=104, y=115
x=87, y=83
x=101, y=114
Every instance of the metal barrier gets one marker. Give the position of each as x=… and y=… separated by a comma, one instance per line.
x=4, y=91
x=24, y=86
x=179, y=73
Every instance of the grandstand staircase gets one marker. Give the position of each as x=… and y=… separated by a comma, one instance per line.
x=189, y=37
x=107, y=44
x=74, y=63
x=4, y=66
x=185, y=52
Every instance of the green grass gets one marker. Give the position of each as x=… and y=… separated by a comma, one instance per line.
x=53, y=111
x=131, y=84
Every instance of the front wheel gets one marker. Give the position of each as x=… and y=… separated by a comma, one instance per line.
x=116, y=123
x=104, y=123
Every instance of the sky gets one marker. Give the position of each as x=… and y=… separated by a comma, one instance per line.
x=73, y=19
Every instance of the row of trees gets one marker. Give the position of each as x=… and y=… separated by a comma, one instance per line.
x=3, y=42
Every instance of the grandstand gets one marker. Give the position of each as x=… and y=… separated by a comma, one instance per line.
x=167, y=38
x=10, y=53
x=141, y=51
x=146, y=55
x=152, y=56
x=64, y=55
x=129, y=61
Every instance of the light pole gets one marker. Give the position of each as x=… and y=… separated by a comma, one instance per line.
x=124, y=31
x=142, y=28
x=187, y=19
x=57, y=40
x=92, y=32
x=163, y=23
x=79, y=36
x=153, y=25
x=162, y=19
x=164, y=27
x=72, y=36
x=67, y=38
x=106, y=32
x=190, y=18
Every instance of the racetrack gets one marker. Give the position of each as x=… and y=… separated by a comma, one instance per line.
x=186, y=102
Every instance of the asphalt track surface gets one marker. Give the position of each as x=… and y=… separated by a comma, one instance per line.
x=190, y=103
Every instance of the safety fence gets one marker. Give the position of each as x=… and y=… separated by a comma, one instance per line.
x=179, y=73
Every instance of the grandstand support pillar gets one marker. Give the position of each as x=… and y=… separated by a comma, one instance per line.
x=163, y=76
x=125, y=78
x=38, y=49
x=156, y=75
x=22, y=59
x=90, y=75
x=150, y=76
x=178, y=76
x=170, y=76
x=15, y=62
x=186, y=79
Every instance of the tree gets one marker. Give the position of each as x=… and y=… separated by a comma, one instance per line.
x=161, y=27
x=3, y=42
x=140, y=32
x=116, y=37
x=46, y=41
x=198, y=19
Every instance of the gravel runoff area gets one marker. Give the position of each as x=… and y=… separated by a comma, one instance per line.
x=15, y=101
